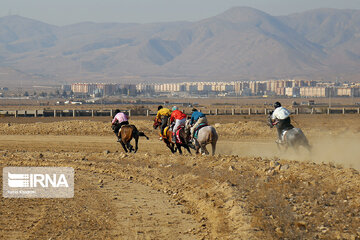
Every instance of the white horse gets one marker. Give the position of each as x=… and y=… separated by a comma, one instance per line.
x=293, y=138
x=205, y=136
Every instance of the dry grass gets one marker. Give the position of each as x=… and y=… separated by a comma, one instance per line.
x=314, y=204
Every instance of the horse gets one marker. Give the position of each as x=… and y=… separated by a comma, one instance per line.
x=168, y=138
x=292, y=138
x=127, y=133
x=205, y=136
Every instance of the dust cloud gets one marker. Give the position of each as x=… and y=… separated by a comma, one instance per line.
x=342, y=150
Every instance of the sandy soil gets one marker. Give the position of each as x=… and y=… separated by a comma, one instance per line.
x=249, y=190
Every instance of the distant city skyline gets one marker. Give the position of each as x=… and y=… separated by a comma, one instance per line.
x=284, y=87
x=67, y=12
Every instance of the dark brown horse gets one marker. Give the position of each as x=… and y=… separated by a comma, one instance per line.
x=168, y=138
x=127, y=133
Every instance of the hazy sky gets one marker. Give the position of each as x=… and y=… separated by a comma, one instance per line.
x=64, y=12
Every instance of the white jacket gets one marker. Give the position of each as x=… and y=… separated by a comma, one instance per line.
x=280, y=113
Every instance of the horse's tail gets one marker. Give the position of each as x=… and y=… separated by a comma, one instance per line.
x=213, y=140
x=303, y=140
x=306, y=142
x=213, y=135
x=142, y=134
x=137, y=132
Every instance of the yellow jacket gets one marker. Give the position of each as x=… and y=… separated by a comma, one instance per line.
x=163, y=112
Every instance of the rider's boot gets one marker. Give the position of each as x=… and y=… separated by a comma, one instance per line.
x=174, y=138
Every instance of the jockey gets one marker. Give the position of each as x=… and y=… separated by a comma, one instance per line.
x=179, y=118
x=163, y=114
x=119, y=120
x=281, y=119
x=196, y=118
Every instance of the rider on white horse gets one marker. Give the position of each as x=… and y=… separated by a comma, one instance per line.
x=281, y=119
x=196, y=118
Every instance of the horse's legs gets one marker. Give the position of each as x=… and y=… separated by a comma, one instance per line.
x=136, y=138
x=129, y=146
x=282, y=147
x=123, y=145
x=213, y=146
x=286, y=146
x=197, y=150
x=197, y=147
x=183, y=139
x=187, y=148
x=296, y=149
x=178, y=146
x=203, y=148
x=306, y=144
x=171, y=147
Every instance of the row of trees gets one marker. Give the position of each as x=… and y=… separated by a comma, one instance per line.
x=57, y=94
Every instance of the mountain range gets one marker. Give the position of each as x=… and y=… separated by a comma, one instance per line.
x=240, y=44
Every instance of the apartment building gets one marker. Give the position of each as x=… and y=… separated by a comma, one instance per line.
x=282, y=87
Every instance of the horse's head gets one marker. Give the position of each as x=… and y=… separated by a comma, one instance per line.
x=157, y=122
x=269, y=120
x=187, y=126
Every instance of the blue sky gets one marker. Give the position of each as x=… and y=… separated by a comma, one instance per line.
x=64, y=12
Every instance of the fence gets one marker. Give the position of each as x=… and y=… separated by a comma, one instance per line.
x=109, y=112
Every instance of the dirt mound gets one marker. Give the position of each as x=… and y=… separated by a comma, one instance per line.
x=244, y=129
x=73, y=127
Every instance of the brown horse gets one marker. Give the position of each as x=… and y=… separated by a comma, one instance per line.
x=127, y=133
x=168, y=138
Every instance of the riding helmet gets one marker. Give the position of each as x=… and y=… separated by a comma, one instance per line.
x=174, y=108
x=277, y=104
x=194, y=110
x=160, y=107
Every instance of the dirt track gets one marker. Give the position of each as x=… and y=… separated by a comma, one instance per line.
x=239, y=194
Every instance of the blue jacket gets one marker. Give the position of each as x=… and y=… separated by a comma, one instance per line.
x=195, y=116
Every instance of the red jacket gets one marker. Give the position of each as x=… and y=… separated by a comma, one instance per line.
x=177, y=115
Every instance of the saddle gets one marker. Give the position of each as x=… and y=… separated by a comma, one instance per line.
x=165, y=130
x=119, y=133
x=177, y=134
x=196, y=131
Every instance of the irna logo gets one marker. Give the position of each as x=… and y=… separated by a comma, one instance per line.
x=36, y=180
